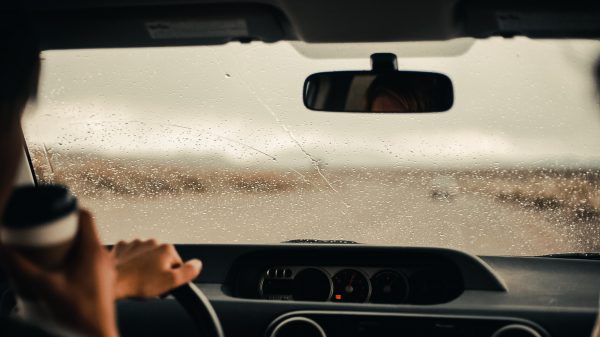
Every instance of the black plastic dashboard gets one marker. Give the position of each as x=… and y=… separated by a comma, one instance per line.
x=377, y=275
x=549, y=296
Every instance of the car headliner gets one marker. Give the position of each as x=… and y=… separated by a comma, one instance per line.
x=122, y=23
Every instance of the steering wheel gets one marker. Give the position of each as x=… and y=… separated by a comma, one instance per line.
x=189, y=296
x=193, y=300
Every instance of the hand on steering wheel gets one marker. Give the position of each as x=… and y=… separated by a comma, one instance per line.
x=148, y=269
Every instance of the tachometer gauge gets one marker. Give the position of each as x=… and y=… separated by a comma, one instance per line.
x=350, y=285
x=389, y=287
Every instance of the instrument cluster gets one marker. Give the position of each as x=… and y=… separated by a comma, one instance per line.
x=358, y=285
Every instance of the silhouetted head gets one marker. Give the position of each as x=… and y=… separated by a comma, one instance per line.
x=19, y=73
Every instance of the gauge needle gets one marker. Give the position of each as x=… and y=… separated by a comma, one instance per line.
x=349, y=287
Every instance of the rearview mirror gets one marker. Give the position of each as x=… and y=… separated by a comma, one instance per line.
x=383, y=89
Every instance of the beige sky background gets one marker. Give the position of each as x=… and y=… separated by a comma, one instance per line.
x=517, y=102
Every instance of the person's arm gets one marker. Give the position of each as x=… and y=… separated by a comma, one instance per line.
x=149, y=269
x=81, y=295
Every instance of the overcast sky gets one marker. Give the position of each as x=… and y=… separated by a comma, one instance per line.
x=516, y=102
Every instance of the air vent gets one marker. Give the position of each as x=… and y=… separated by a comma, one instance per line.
x=298, y=327
x=516, y=330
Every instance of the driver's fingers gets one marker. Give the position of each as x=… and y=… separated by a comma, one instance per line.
x=185, y=273
x=146, y=245
x=118, y=248
x=169, y=256
x=129, y=249
x=126, y=248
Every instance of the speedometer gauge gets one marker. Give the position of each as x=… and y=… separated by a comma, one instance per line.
x=350, y=285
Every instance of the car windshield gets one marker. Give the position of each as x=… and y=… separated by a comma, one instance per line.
x=212, y=144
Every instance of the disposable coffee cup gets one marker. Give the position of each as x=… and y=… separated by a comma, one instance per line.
x=40, y=223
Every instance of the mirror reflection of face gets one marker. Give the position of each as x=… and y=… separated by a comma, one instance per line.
x=371, y=91
x=397, y=99
x=389, y=103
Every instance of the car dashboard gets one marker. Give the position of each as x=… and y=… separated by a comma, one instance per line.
x=359, y=290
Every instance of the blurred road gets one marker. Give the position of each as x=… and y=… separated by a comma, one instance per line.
x=367, y=211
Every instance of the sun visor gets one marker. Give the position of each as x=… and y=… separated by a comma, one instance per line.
x=553, y=19
x=147, y=27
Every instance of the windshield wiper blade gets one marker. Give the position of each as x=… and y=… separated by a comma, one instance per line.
x=582, y=256
x=340, y=242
